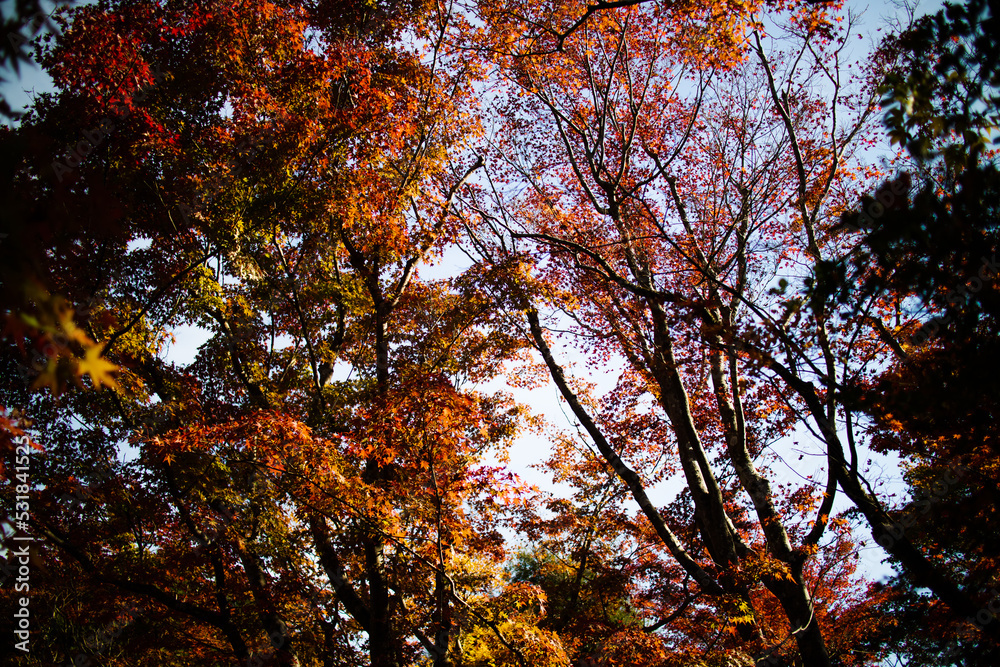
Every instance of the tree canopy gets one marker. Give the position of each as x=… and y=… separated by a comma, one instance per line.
x=386, y=220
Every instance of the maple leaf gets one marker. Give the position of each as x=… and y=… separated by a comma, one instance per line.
x=99, y=368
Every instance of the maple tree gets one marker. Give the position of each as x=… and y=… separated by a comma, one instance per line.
x=323, y=483
x=652, y=218
x=276, y=175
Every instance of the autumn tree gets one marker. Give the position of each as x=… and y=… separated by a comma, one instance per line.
x=322, y=483
x=276, y=175
x=651, y=189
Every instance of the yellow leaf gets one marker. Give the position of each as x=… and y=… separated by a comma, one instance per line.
x=97, y=367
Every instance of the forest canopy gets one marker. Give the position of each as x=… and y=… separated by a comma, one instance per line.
x=749, y=247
